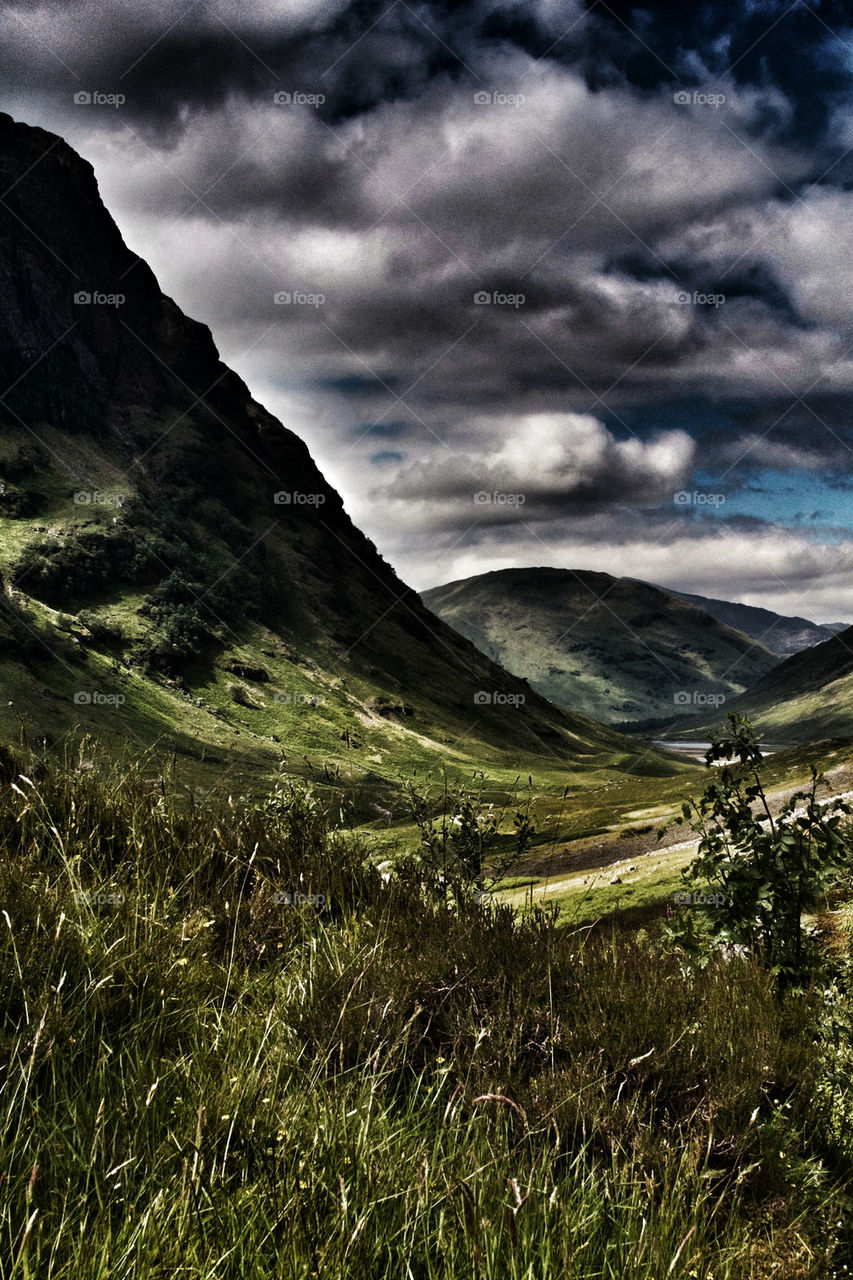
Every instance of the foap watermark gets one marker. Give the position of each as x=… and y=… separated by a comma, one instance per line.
x=95, y=298
x=282, y=899
x=95, y=498
x=684, y=298
x=295, y=298
x=94, y=898
x=496, y=98
x=293, y=498
x=494, y=298
x=94, y=698
x=284, y=98
x=85, y=98
x=483, y=498
x=292, y=698
x=496, y=698
x=684, y=498
x=698, y=98
x=699, y=899
x=696, y=698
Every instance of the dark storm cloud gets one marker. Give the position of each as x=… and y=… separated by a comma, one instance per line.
x=170, y=56
x=683, y=266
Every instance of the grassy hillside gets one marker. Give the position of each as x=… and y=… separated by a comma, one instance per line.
x=174, y=566
x=612, y=648
x=231, y=1049
x=808, y=697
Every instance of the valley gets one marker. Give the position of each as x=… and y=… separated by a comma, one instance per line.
x=344, y=928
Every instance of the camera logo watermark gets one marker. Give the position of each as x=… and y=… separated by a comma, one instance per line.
x=483, y=499
x=697, y=97
x=699, y=899
x=695, y=698
x=486, y=98
x=293, y=298
x=85, y=298
x=97, y=99
x=699, y=299
x=483, y=698
x=697, y=499
x=94, y=498
x=292, y=497
x=291, y=698
x=282, y=98
x=299, y=899
x=487, y=298
x=89, y=898
x=94, y=698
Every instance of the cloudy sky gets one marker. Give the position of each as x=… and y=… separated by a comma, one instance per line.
x=562, y=282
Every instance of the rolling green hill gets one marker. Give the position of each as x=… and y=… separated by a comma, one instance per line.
x=175, y=567
x=810, y=696
x=613, y=648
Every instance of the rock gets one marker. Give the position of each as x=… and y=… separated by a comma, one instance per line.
x=258, y=674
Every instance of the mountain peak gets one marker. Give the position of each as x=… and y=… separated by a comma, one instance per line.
x=180, y=534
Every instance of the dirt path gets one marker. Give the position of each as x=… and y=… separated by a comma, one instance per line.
x=568, y=861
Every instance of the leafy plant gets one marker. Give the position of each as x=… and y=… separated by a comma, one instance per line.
x=770, y=868
x=462, y=848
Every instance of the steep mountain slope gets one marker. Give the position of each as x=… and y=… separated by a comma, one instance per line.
x=173, y=562
x=614, y=648
x=809, y=696
x=781, y=635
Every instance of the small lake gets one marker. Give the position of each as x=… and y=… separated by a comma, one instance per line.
x=697, y=749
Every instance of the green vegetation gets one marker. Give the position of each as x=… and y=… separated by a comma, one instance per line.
x=810, y=696
x=769, y=869
x=231, y=1048
x=178, y=577
x=462, y=850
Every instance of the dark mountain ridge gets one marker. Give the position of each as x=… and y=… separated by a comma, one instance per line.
x=158, y=523
x=780, y=634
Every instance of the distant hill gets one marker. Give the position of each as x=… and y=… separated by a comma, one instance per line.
x=781, y=635
x=809, y=696
x=616, y=649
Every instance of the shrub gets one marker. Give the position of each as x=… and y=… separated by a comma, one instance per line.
x=769, y=869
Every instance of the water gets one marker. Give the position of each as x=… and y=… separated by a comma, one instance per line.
x=686, y=748
x=697, y=749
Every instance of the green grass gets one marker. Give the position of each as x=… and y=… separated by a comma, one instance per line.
x=581, y=895
x=587, y=896
x=200, y=1080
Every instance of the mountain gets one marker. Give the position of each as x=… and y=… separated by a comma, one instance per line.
x=616, y=649
x=174, y=566
x=781, y=635
x=807, y=697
